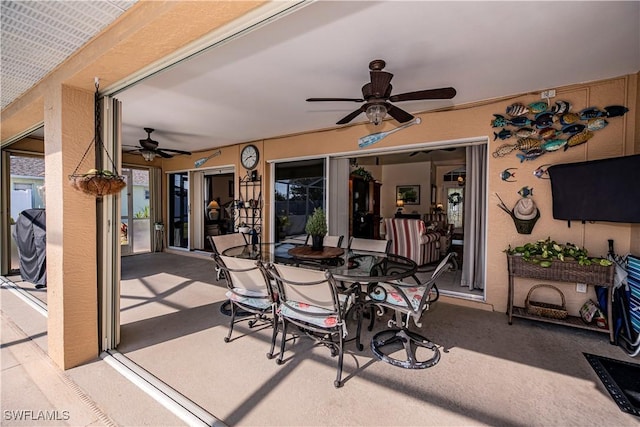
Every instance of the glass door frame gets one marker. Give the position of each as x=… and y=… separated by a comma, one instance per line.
x=170, y=228
x=127, y=249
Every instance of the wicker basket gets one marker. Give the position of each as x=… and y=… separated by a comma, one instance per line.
x=544, y=309
x=563, y=271
x=98, y=185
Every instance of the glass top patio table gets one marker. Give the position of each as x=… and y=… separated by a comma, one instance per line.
x=352, y=266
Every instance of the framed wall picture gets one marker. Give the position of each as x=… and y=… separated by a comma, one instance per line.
x=409, y=194
x=434, y=194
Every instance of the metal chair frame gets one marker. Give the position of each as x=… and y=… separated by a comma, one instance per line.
x=327, y=298
x=377, y=296
x=259, y=315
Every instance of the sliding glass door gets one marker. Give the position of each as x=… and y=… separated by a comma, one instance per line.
x=300, y=187
x=179, y=210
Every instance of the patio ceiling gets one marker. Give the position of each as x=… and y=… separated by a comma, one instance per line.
x=253, y=86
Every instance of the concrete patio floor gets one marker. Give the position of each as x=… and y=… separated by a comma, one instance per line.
x=490, y=373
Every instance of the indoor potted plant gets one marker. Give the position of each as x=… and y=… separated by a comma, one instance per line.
x=317, y=228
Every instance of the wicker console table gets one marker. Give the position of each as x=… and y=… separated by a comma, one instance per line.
x=560, y=271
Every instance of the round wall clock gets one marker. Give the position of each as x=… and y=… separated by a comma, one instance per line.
x=249, y=157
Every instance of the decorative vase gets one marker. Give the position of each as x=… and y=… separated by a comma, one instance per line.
x=316, y=243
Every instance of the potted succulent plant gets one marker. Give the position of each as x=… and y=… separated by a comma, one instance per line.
x=317, y=228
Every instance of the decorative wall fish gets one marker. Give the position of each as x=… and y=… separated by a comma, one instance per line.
x=561, y=107
x=525, y=132
x=590, y=113
x=538, y=107
x=568, y=118
x=506, y=174
x=535, y=127
x=596, y=123
x=504, y=149
x=499, y=121
x=541, y=173
x=616, y=110
x=579, y=138
x=526, y=144
x=525, y=191
x=520, y=121
x=553, y=144
x=516, y=110
x=574, y=128
x=532, y=154
x=548, y=133
x=503, y=134
x=543, y=120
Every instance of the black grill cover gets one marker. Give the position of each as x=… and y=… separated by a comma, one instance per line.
x=597, y=190
x=30, y=237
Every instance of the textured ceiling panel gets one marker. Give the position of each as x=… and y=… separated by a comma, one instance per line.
x=37, y=36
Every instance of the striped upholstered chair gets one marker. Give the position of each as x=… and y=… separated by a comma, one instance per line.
x=410, y=238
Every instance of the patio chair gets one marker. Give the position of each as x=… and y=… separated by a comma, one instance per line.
x=409, y=301
x=250, y=290
x=333, y=241
x=222, y=242
x=360, y=245
x=309, y=300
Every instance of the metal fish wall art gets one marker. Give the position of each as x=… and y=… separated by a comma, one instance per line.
x=506, y=174
x=548, y=133
x=590, y=113
x=503, y=134
x=525, y=144
x=516, y=110
x=553, y=144
x=541, y=173
x=616, y=110
x=525, y=191
x=539, y=126
x=532, y=154
x=596, y=123
x=579, y=138
x=525, y=132
x=538, y=107
x=504, y=150
x=574, y=128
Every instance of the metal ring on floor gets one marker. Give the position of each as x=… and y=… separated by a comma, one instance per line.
x=390, y=341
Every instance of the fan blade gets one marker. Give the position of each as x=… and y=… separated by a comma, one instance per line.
x=163, y=154
x=380, y=82
x=335, y=99
x=442, y=93
x=350, y=116
x=188, y=153
x=397, y=113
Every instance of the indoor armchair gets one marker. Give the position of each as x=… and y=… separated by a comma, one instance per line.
x=410, y=238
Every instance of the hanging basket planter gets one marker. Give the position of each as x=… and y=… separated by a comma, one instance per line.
x=98, y=183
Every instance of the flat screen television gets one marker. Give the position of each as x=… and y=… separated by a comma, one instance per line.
x=597, y=190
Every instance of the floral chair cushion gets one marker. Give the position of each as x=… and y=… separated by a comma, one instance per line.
x=328, y=319
x=258, y=300
x=393, y=296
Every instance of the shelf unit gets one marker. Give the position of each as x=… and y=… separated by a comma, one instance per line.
x=560, y=271
x=248, y=207
x=364, y=209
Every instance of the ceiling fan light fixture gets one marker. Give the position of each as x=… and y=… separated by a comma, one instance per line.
x=376, y=113
x=148, y=155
